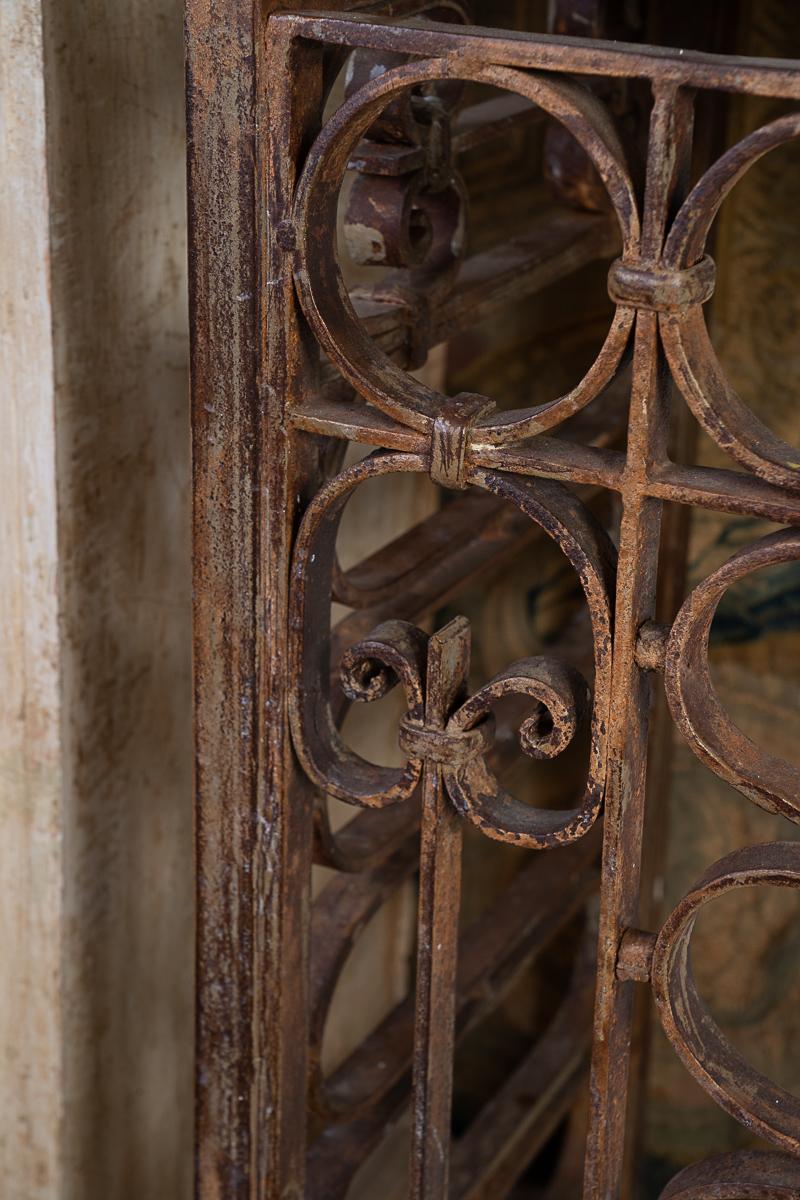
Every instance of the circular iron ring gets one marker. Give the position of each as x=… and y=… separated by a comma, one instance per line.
x=324, y=297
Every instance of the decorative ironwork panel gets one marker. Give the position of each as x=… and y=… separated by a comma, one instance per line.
x=338, y=367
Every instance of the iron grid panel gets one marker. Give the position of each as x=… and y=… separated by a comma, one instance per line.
x=360, y=391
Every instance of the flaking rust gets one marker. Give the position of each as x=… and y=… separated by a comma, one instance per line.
x=296, y=377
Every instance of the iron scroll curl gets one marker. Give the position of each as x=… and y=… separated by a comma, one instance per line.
x=395, y=654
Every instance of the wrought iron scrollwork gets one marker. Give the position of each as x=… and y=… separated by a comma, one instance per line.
x=659, y=283
x=718, y=1067
x=695, y=366
x=771, y=782
x=395, y=654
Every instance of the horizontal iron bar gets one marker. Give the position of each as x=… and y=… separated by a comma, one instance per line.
x=528, y=51
x=334, y=413
x=725, y=490
x=554, y=458
x=718, y=488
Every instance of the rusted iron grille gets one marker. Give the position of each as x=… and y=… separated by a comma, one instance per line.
x=332, y=376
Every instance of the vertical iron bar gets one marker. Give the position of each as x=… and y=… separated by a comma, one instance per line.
x=288, y=477
x=437, y=951
x=674, y=535
x=706, y=145
x=220, y=59
x=670, y=130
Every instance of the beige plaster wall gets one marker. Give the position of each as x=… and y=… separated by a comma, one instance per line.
x=95, y=743
x=31, y=1018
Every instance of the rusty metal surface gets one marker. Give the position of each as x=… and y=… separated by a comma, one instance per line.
x=330, y=367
